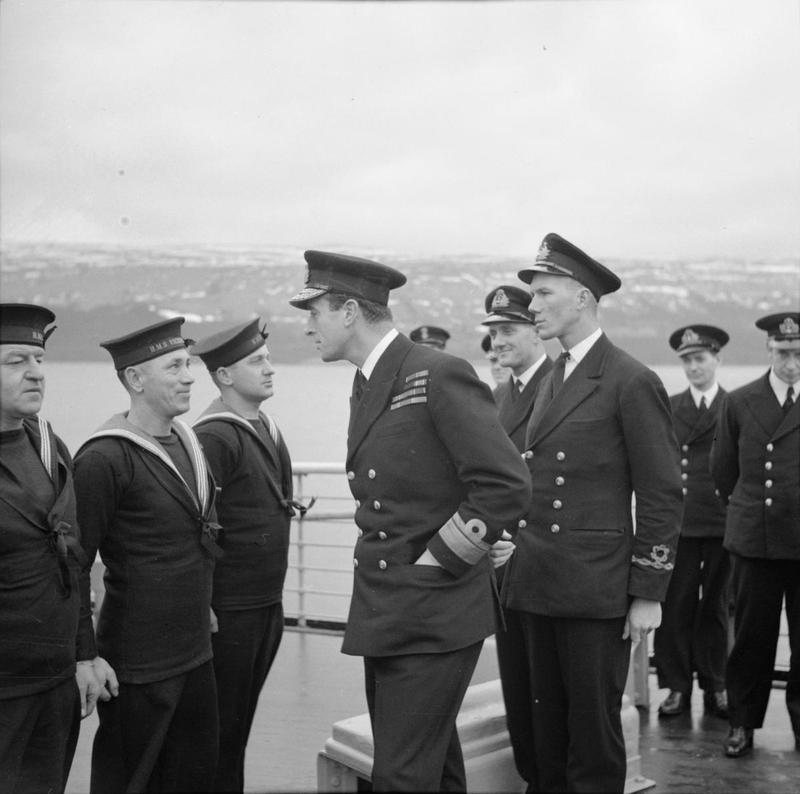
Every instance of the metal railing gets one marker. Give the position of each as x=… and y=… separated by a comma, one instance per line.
x=319, y=579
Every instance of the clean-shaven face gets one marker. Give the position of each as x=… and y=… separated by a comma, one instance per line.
x=516, y=345
x=251, y=376
x=554, y=303
x=785, y=360
x=167, y=383
x=700, y=368
x=21, y=383
x=327, y=328
x=499, y=373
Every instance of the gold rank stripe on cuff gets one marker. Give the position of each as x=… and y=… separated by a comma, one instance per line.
x=465, y=539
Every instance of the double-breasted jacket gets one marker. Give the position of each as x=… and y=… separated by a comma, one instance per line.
x=604, y=436
x=755, y=462
x=430, y=468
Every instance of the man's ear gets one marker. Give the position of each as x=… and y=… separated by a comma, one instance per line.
x=351, y=310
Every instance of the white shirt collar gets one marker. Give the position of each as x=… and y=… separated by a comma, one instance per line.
x=372, y=359
x=780, y=387
x=579, y=351
x=710, y=393
x=531, y=371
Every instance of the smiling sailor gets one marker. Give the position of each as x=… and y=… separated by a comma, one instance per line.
x=436, y=483
x=146, y=503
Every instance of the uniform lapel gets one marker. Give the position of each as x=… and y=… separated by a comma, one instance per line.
x=514, y=413
x=576, y=388
x=764, y=407
x=706, y=420
x=790, y=422
x=684, y=415
x=377, y=391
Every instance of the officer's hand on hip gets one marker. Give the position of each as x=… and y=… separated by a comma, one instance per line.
x=501, y=551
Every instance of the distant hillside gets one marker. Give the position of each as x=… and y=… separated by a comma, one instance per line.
x=101, y=291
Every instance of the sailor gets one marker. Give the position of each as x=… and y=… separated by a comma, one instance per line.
x=693, y=636
x=584, y=583
x=43, y=691
x=430, y=336
x=519, y=350
x=252, y=468
x=436, y=483
x=146, y=502
x=499, y=373
x=756, y=467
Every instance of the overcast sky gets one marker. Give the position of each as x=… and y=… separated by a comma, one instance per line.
x=632, y=127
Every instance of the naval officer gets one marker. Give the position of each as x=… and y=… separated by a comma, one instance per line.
x=146, y=503
x=515, y=341
x=430, y=336
x=497, y=371
x=693, y=636
x=436, y=483
x=755, y=462
x=252, y=468
x=583, y=582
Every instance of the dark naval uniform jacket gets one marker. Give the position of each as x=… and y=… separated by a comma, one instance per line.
x=430, y=468
x=515, y=409
x=703, y=512
x=607, y=434
x=254, y=508
x=156, y=535
x=755, y=462
x=40, y=560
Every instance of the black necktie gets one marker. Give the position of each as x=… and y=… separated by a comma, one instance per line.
x=702, y=407
x=558, y=370
x=788, y=402
x=359, y=382
x=516, y=388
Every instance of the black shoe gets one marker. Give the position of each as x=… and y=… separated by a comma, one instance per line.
x=675, y=703
x=716, y=703
x=739, y=742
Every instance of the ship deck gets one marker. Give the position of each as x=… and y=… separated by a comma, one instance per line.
x=312, y=685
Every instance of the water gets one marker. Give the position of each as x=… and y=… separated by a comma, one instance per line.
x=311, y=406
x=311, y=401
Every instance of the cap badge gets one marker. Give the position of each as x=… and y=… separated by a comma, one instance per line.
x=690, y=337
x=500, y=300
x=544, y=251
x=424, y=332
x=789, y=327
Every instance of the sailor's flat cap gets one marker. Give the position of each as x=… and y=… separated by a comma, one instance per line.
x=147, y=343
x=231, y=345
x=25, y=324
